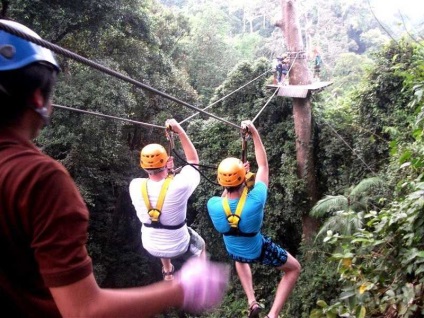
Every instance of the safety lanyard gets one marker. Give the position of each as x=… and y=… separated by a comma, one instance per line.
x=234, y=219
x=244, y=136
x=155, y=213
x=250, y=176
x=170, y=137
x=169, y=133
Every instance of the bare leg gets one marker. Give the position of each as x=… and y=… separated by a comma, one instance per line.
x=167, y=267
x=245, y=274
x=203, y=254
x=291, y=272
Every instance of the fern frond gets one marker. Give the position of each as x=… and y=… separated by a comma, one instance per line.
x=328, y=204
x=366, y=185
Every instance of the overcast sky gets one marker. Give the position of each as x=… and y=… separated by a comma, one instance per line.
x=386, y=9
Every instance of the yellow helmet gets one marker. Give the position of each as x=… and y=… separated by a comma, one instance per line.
x=231, y=172
x=153, y=156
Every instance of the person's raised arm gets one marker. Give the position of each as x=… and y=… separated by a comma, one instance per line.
x=86, y=299
x=263, y=170
x=199, y=286
x=188, y=147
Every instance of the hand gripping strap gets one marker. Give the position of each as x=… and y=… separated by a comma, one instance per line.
x=234, y=219
x=155, y=213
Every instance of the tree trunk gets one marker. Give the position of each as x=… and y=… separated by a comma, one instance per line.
x=302, y=113
x=244, y=20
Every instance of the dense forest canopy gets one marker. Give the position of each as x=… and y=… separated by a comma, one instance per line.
x=367, y=258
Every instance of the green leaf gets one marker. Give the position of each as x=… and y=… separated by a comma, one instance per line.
x=347, y=294
x=322, y=304
x=361, y=312
x=331, y=315
x=316, y=313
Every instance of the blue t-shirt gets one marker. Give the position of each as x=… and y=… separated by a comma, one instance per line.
x=250, y=222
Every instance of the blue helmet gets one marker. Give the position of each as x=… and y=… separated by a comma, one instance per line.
x=16, y=52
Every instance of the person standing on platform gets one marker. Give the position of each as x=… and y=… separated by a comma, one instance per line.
x=317, y=64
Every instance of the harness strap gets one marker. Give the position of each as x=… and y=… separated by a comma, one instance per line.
x=234, y=219
x=250, y=176
x=158, y=225
x=156, y=212
x=239, y=233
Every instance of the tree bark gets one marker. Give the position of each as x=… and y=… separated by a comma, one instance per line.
x=302, y=112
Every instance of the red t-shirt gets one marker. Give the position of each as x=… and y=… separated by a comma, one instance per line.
x=43, y=229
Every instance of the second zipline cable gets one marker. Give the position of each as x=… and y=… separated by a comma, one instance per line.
x=57, y=49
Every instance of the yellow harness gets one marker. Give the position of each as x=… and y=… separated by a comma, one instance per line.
x=156, y=212
x=234, y=218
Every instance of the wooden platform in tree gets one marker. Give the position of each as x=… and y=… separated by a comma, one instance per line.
x=299, y=91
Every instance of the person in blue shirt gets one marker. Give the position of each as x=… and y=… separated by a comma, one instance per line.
x=238, y=215
x=282, y=70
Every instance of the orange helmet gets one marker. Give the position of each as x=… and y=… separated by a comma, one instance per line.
x=231, y=172
x=153, y=156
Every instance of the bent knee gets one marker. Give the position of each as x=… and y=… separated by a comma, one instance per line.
x=292, y=265
x=297, y=267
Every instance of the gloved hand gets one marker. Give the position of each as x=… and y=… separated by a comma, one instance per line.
x=204, y=284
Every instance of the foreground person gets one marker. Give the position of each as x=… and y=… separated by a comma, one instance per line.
x=45, y=270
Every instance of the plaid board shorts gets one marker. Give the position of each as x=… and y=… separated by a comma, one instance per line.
x=271, y=255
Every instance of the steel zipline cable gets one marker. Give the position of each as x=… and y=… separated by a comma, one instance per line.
x=59, y=50
x=348, y=146
x=295, y=58
x=269, y=99
x=275, y=92
x=222, y=98
x=107, y=116
x=147, y=124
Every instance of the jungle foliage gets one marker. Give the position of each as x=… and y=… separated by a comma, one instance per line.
x=381, y=262
x=368, y=127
